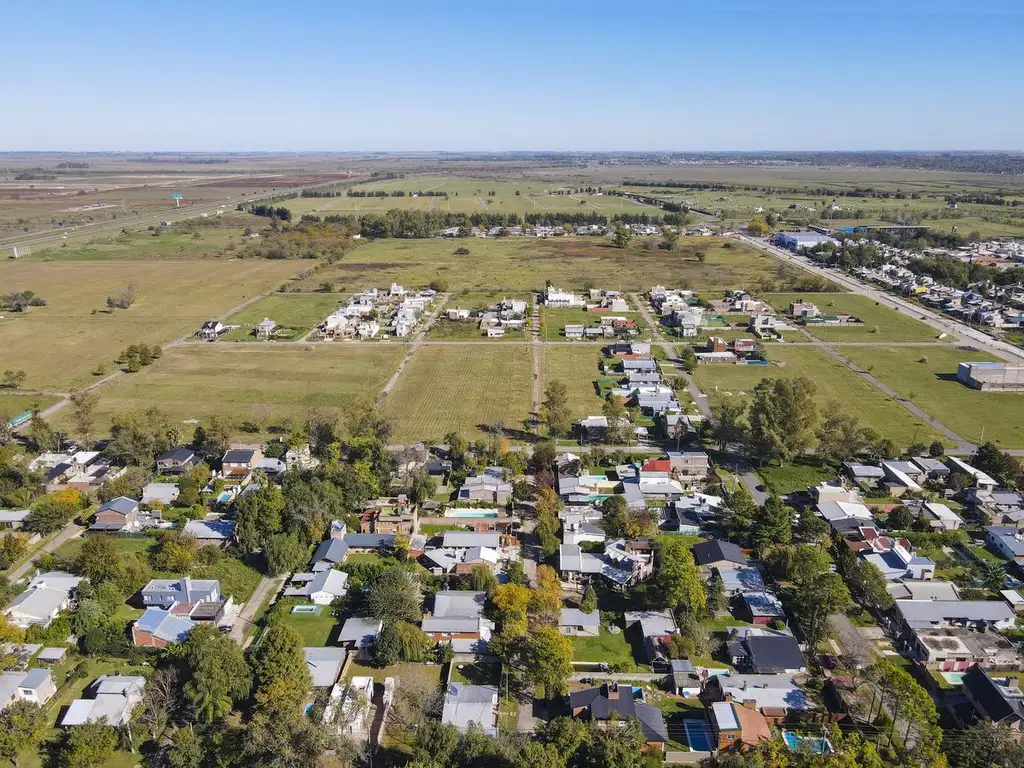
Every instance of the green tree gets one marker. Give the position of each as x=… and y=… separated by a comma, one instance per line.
x=395, y=595
x=548, y=660
x=615, y=516
x=740, y=513
x=420, y=486
x=870, y=587
x=83, y=407
x=413, y=642
x=622, y=236
x=482, y=579
x=782, y=418
x=840, y=435
x=985, y=745
x=936, y=449
x=88, y=745
x=618, y=420
x=727, y=423
x=187, y=749
x=773, y=526
x=816, y=592
x=589, y=602
x=284, y=553
x=900, y=518
x=387, y=646
x=716, y=600
x=555, y=408
x=218, y=675
x=259, y=514
x=679, y=582
x=22, y=725
x=280, y=656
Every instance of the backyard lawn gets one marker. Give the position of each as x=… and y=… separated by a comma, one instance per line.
x=798, y=476
x=927, y=377
x=316, y=629
x=612, y=649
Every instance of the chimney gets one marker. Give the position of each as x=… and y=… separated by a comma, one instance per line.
x=613, y=691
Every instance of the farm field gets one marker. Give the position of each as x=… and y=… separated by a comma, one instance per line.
x=462, y=389
x=466, y=195
x=524, y=264
x=295, y=314
x=834, y=382
x=577, y=368
x=60, y=344
x=890, y=324
x=12, y=405
x=180, y=241
x=933, y=387
x=267, y=385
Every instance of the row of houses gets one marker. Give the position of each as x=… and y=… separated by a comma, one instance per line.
x=372, y=313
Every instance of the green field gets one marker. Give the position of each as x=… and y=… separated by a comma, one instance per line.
x=577, y=368
x=316, y=629
x=608, y=648
x=463, y=389
x=12, y=405
x=880, y=323
x=295, y=315
x=60, y=344
x=933, y=387
x=268, y=385
x=834, y=382
x=173, y=243
x=524, y=264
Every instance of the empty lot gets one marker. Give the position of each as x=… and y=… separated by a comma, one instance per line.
x=880, y=323
x=60, y=344
x=461, y=389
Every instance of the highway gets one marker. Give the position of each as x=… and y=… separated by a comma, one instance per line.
x=942, y=323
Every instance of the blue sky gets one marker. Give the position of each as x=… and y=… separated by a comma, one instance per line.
x=440, y=75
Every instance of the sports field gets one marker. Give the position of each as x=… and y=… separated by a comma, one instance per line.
x=266, y=384
x=577, y=368
x=295, y=315
x=59, y=345
x=465, y=389
x=834, y=382
x=524, y=264
x=880, y=322
x=927, y=377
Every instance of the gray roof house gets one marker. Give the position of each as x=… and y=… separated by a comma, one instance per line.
x=774, y=654
x=167, y=592
x=216, y=532
x=468, y=539
x=158, y=627
x=369, y=541
x=115, y=696
x=715, y=553
x=358, y=633
x=324, y=665
x=618, y=702
x=329, y=552
x=922, y=614
x=46, y=596
x=471, y=704
x=573, y=621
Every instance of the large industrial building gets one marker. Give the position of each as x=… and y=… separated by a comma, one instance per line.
x=797, y=241
x=986, y=376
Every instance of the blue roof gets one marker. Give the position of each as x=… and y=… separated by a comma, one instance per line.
x=165, y=625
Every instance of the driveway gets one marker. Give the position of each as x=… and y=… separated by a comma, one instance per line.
x=70, y=531
x=267, y=586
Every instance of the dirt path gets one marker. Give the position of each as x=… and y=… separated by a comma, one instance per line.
x=70, y=531
x=415, y=343
x=267, y=586
x=537, y=352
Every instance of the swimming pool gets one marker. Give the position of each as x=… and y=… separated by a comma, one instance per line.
x=698, y=735
x=814, y=744
x=306, y=609
x=225, y=497
x=953, y=678
x=470, y=513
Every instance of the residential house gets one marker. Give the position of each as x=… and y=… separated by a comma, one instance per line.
x=36, y=686
x=830, y=491
x=458, y=618
x=392, y=514
x=577, y=623
x=211, y=330
x=1007, y=540
x=467, y=706
x=45, y=597
x=863, y=473
x=365, y=543
x=956, y=649
x=899, y=562
x=321, y=588
x=981, y=480
x=214, y=532
x=461, y=560
x=737, y=579
x=114, y=698
x=165, y=593
x=924, y=614
x=620, y=564
x=456, y=540
x=932, y=589
x=736, y=726
x=998, y=700
x=324, y=665
x=656, y=627
x=159, y=494
x=768, y=654
x=176, y=461
x=13, y=519
x=301, y=458
x=940, y=517
x=265, y=329
x=158, y=628
x=933, y=469
x=119, y=515
x=238, y=463
x=488, y=486
x=761, y=607
x=611, y=704
x=329, y=552
x=358, y=634
x=718, y=554
x=778, y=697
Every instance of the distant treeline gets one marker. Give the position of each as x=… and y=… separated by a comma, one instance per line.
x=69, y=164
x=982, y=199
x=421, y=224
x=770, y=190
x=577, y=191
x=280, y=212
x=392, y=193
x=321, y=193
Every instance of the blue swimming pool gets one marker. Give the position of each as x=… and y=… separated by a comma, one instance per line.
x=306, y=609
x=698, y=735
x=470, y=513
x=814, y=744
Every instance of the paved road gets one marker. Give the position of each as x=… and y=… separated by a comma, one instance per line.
x=70, y=531
x=734, y=462
x=243, y=621
x=937, y=321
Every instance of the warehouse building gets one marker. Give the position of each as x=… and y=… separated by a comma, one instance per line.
x=986, y=376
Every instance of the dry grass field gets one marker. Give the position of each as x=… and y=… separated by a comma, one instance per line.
x=268, y=384
x=577, y=368
x=59, y=345
x=462, y=389
x=519, y=265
